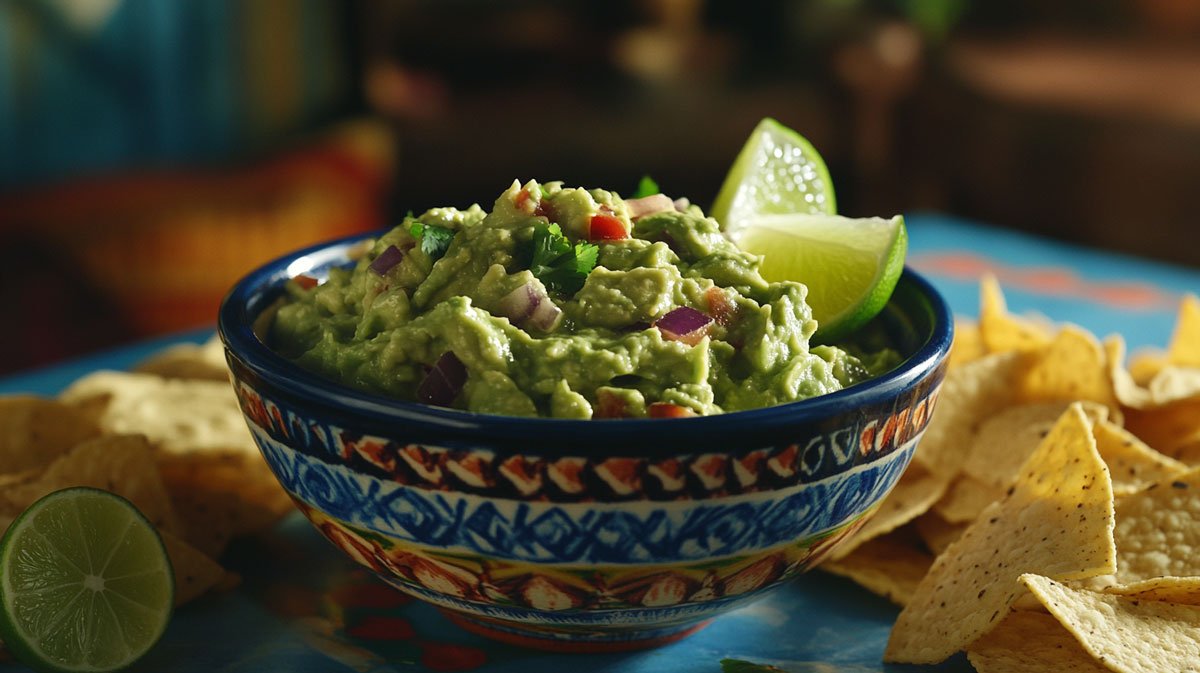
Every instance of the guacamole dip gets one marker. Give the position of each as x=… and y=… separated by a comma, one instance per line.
x=568, y=303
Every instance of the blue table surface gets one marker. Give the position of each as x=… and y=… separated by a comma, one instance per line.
x=303, y=607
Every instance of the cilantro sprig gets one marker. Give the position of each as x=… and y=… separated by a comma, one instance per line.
x=560, y=266
x=434, y=239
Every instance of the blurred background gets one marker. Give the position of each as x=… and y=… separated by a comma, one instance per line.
x=152, y=152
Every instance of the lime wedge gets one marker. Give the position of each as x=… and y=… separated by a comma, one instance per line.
x=849, y=265
x=85, y=583
x=777, y=173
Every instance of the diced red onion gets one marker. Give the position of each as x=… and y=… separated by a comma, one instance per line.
x=546, y=315
x=681, y=204
x=386, y=260
x=682, y=322
x=443, y=383
x=648, y=205
x=529, y=302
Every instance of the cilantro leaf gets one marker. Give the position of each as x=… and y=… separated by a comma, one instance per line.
x=558, y=264
x=646, y=187
x=434, y=239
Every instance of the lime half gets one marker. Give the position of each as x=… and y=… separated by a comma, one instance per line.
x=849, y=265
x=85, y=583
x=777, y=172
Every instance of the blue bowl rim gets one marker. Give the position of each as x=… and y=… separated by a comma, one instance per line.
x=447, y=427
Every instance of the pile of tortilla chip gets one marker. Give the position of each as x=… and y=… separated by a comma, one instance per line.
x=169, y=437
x=1050, y=520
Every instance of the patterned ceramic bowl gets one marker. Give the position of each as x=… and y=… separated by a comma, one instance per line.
x=582, y=535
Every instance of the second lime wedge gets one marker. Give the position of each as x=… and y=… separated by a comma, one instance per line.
x=850, y=265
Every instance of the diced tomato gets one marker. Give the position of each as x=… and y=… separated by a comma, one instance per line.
x=720, y=307
x=306, y=282
x=608, y=406
x=606, y=227
x=521, y=201
x=668, y=410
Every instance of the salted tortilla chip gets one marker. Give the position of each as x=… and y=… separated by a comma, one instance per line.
x=1057, y=520
x=1131, y=463
x=968, y=394
x=188, y=361
x=968, y=342
x=1005, y=440
x=177, y=415
x=1126, y=634
x=1001, y=331
x=890, y=566
x=936, y=532
x=966, y=498
x=195, y=573
x=35, y=431
x=1183, y=590
x=1184, y=349
x=220, y=496
x=1031, y=642
x=912, y=496
x=1072, y=367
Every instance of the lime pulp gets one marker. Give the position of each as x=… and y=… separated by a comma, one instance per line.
x=85, y=583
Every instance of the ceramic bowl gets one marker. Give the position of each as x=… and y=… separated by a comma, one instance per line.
x=581, y=535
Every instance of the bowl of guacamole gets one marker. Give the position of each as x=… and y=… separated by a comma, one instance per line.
x=572, y=420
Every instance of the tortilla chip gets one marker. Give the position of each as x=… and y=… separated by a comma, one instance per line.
x=890, y=566
x=188, y=361
x=1174, y=384
x=1001, y=331
x=195, y=573
x=1057, y=520
x=1182, y=590
x=1185, y=342
x=121, y=464
x=968, y=342
x=913, y=495
x=968, y=394
x=1125, y=387
x=966, y=498
x=1072, y=367
x=35, y=431
x=1132, y=465
x=1124, y=633
x=936, y=532
x=1168, y=383
x=1145, y=364
x=1031, y=642
x=1004, y=441
x=177, y=415
x=220, y=496
x=1158, y=530
x=1169, y=428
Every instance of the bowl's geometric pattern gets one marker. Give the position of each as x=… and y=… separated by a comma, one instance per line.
x=814, y=454
x=596, y=533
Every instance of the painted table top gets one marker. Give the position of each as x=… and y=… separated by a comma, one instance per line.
x=302, y=606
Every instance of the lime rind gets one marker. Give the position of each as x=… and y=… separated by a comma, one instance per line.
x=777, y=171
x=75, y=621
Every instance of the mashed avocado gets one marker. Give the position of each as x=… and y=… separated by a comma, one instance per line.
x=568, y=303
